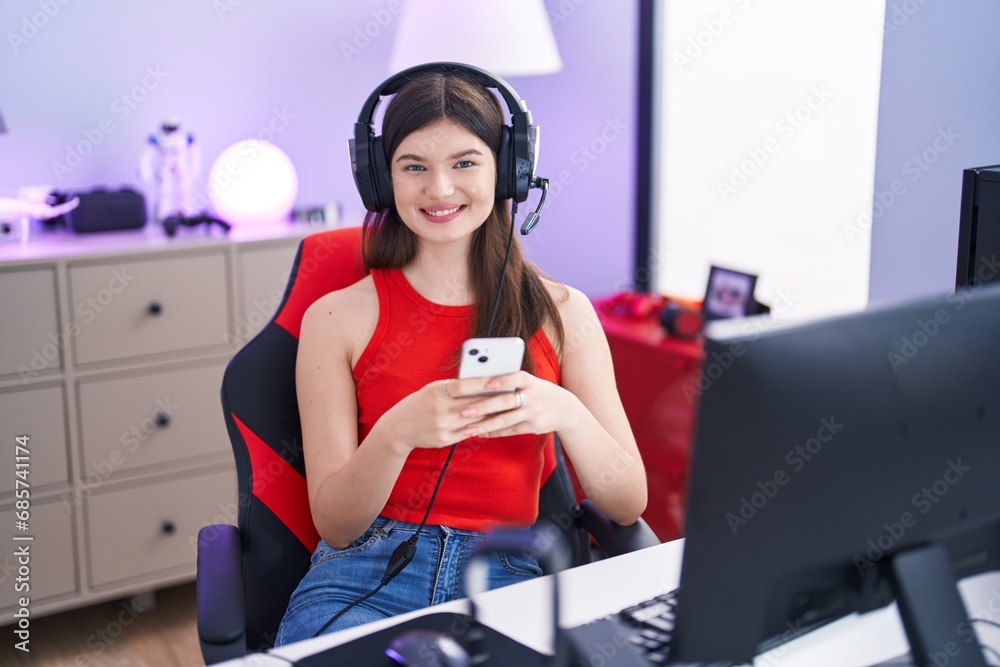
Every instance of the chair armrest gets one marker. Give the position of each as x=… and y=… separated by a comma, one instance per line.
x=615, y=539
x=221, y=604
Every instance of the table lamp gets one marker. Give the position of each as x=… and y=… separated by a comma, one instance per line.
x=511, y=38
x=253, y=183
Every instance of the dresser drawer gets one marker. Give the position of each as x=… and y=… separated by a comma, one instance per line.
x=51, y=566
x=39, y=414
x=264, y=274
x=141, y=531
x=128, y=423
x=137, y=307
x=31, y=340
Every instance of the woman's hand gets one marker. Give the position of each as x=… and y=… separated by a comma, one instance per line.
x=527, y=404
x=444, y=412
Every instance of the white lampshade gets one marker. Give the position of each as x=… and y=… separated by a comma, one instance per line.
x=253, y=183
x=509, y=38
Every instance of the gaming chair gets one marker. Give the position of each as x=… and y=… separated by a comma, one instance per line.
x=246, y=574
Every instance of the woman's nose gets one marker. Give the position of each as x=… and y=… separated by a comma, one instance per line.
x=439, y=184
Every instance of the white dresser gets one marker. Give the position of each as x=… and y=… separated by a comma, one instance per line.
x=112, y=350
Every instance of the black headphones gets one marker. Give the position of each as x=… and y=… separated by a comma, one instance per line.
x=516, y=157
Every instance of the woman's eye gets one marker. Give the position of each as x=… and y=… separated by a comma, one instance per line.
x=465, y=163
x=414, y=167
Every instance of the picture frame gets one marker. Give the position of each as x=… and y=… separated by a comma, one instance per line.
x=728, y=294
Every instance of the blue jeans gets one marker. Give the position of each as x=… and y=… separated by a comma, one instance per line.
x=337, y=577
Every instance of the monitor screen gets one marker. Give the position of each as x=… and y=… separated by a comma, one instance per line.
x=826, y=453
x=979, y=227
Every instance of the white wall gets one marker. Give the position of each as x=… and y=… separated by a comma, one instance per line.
x=767, y=131
x=939, y=113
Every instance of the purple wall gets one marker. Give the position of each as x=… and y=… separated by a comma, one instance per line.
x=80, y=78
x=937, y=116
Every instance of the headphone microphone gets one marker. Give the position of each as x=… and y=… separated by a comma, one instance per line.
x=532, y=219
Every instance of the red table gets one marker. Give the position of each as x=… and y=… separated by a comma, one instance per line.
x=656, y=377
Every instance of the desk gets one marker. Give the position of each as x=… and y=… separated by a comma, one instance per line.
x=591, y=591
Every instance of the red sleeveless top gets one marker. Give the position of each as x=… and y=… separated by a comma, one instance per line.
x=490, y=481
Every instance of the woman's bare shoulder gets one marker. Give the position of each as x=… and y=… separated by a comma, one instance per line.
x=570, y=302
x=330, y=307
x=346, y=317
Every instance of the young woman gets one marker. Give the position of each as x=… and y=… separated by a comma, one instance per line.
x=376, y=379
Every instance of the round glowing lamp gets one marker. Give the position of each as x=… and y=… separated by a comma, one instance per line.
x=253, y=182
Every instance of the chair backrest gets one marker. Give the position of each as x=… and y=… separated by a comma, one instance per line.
x=262, y=417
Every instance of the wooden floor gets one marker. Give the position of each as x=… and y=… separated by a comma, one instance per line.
x=113, y=633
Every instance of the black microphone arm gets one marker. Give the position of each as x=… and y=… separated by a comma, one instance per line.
x=532, y=219
x=548, y=543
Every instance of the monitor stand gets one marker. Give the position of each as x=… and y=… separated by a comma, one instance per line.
x=932, y=610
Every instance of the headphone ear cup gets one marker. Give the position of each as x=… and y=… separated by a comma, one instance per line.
x=505, y=164
x=381, y=177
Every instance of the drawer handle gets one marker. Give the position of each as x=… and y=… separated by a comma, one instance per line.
x=168, y=527
x=155, y=308
x=162, y=419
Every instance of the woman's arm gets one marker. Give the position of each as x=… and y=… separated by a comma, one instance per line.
x=348, y=485
x=597, y=436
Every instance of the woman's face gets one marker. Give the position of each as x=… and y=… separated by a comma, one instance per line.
x=444, y=181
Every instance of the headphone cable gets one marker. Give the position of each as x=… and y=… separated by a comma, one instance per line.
x=405, y=552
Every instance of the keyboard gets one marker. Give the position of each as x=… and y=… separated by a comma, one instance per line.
x=651, y=626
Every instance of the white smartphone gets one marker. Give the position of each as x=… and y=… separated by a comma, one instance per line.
x=490, y=357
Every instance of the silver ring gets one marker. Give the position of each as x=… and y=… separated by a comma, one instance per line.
x=446, y=389
x=519, y=398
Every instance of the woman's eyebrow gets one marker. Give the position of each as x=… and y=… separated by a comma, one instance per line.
x=471, y=151
x=417, y=158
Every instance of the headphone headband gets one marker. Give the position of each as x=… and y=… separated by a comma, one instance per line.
x=517, y=154
x=392, y=85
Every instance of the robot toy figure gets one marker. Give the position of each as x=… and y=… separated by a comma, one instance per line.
x=171, y=163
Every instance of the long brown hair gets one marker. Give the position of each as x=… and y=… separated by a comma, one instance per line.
x=525, y=304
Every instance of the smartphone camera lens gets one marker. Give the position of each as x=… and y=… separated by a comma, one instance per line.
x=473, y=352
x=483, y=359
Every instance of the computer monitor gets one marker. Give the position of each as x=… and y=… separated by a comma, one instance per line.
x=979, y=227
x=833, y=460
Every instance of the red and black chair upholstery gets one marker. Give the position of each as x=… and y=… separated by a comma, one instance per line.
x=246, y=574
